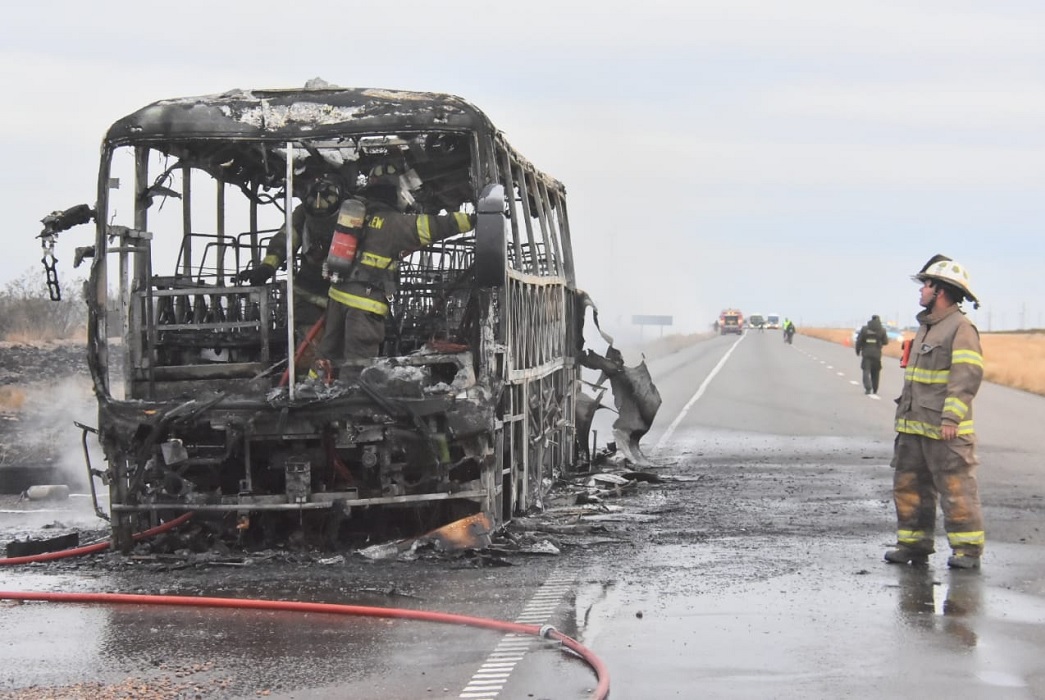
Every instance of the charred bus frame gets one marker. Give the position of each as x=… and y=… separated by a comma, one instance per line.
x=473, y=405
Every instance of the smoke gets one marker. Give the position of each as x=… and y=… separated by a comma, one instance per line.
x=53, y=443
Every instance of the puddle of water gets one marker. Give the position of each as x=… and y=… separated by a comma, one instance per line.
x=828, y=630
x=1002, y=680
x=741, y=444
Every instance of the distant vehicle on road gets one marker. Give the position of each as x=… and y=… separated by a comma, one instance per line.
x=894, y=332
x=731, y=321
x=773, y=321
x=756, y=321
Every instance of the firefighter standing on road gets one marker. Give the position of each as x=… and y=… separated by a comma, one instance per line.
x=869, y=342
x=935, y=452
x=359, y=300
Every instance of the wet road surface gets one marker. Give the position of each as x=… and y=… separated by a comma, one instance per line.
x=753, y=571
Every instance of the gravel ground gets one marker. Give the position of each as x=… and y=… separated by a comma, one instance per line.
x=22, y=364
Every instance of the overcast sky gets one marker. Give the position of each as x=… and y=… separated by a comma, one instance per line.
x=803, y=157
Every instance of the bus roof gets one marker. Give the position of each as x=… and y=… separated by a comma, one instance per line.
x=315, y=111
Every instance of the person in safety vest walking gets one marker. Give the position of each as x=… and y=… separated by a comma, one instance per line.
x=869, y=342
x=934, y=457
x=372, y=234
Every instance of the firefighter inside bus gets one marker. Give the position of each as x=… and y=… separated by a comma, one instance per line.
x=371, y=234
x=313, y=228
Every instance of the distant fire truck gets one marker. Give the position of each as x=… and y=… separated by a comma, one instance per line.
x=731, y=321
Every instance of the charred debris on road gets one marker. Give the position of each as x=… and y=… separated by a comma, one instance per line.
x=578, y=511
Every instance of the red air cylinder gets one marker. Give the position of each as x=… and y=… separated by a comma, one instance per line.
x=905, y=346
x=345, y=241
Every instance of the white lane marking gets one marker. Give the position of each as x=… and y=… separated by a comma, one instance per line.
x=700, y=392
x=490, y=679
x=854, y=382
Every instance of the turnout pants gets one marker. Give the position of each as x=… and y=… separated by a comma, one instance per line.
x=351, y=334
x=927, y=470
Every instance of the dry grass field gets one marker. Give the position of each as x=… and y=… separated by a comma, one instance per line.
x=1012, y=359
x=11, y=398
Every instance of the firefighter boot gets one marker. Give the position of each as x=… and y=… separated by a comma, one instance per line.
x=322, y=371
x=962, y=560
x=907, y=555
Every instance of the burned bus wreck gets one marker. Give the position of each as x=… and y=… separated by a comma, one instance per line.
x=202, y=373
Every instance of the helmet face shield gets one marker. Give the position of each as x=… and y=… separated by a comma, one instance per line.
x=934, y=260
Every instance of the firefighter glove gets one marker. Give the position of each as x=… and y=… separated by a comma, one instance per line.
x=256, y=275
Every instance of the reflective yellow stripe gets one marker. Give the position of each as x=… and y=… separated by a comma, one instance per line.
x=927, y=376
x=969, y=357
x=911, y=536
x=424, y=229
x=955, y=406
x=914, y=427
x=464, y=222
x=378, y=261
x=310, y=297
x=272, y=260
x=959, y=538
x=358, y=302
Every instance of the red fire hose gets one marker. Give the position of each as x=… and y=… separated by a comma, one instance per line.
x=601, y=692
x=547, y=632
x=93, y=548
x=305, y=343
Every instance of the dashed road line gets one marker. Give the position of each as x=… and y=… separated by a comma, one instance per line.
x=490, y=679
x=854, y=382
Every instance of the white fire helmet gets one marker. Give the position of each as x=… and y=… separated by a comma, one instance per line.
x=950, y=271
